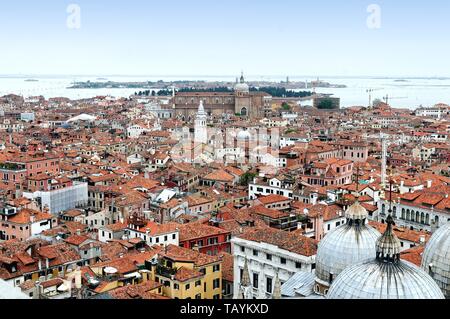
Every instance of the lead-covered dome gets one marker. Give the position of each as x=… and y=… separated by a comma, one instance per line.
x=436, y=258
x=386, y=276
x=344, y=246
x=242, y=86
x=378, y=280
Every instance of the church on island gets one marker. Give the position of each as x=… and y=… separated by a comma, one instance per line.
x=241, y=102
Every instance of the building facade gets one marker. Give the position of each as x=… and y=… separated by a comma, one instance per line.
x=267, y=257
x=241, y=102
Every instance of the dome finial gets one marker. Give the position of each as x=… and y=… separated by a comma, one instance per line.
x=388, y=245
x=390, y=191
x=242, y=77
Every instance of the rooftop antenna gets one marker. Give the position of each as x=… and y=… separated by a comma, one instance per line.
x=390, y=192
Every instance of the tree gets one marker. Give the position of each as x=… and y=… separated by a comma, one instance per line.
x=285, y=106
x=247, y=178
x=326, y=104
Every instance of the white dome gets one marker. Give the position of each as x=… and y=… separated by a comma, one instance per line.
x=381, y=280
x=242, y=87
x=436, y=258
x=346, y=245
x=386, y=276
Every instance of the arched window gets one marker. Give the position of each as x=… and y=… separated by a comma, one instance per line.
x=407, y=215
x=383, y=209
x=413, y=216
x=244, y=111
x=422, y=218
x=427, y=219
x=417, y=217
x=403, y=213
x=395, y=211
x=436, y=220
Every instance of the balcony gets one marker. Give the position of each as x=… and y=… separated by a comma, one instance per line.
x=12, y=167
x=165, y=271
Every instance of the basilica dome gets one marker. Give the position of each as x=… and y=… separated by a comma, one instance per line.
x=344, y=246
x=436, y=258
x=242, y=87
x=386, y=276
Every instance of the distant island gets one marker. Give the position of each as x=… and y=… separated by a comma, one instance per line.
x=201, y=85
x=273, y=91
x=31, y=80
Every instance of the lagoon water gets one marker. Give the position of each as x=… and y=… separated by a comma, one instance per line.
x=405, y=93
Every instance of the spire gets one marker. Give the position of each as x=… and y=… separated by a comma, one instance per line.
x=388, y=245
x=242, y=77
x=201, y=109
x=245, y=282
x=390, y=194
x=277, y=288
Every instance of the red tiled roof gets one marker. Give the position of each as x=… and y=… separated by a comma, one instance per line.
x=288, y=241
x=196, y=230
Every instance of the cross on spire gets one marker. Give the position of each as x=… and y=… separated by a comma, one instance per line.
x=390, y=191
x=357, y=182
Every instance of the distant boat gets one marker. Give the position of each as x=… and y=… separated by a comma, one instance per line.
x=31, y=80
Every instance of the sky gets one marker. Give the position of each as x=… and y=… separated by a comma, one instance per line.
x=223, y=37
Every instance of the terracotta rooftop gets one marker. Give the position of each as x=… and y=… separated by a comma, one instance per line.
x=196, y=230
x=183, y=254
x=288, y=241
